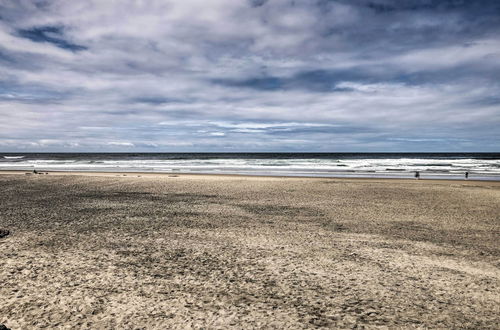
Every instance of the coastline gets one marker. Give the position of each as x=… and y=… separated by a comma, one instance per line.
x=246, y=176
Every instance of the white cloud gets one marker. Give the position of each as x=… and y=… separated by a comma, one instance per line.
x=121, y=144
x=480, y=52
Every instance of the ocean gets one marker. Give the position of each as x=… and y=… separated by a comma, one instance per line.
x=480, y=166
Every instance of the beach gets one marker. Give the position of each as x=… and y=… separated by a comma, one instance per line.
x=154, y=251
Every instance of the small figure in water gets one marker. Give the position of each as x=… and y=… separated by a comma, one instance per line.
x=417, y=175
x=35, y=172
x=466, y=175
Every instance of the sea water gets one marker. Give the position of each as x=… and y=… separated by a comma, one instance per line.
x=483, y=166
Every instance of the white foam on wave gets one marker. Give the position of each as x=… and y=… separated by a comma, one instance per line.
x=13, y=157
x=304, y=166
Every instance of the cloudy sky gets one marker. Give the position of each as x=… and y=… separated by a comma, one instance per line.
x=250, y=75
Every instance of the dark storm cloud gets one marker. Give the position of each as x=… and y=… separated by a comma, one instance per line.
x=250, y=75
x=401, y=25
x=471, y=7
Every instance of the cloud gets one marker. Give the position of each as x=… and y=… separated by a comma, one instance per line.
x=120, y=144
x=254, y=75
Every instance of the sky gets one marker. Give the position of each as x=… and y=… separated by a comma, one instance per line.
x=250, y=75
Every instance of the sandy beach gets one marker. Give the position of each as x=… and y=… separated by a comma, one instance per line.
x=147, y=251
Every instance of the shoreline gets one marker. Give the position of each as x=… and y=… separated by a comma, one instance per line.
x=245, y=176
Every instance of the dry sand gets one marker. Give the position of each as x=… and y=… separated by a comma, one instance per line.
x=151, y=251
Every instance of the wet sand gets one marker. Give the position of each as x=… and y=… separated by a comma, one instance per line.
x=144, y=251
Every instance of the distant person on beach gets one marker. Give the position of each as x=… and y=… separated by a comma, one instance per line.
x=466, y=175
x=417, y=175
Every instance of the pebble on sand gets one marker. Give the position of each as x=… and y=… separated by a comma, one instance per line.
x=3, y=233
